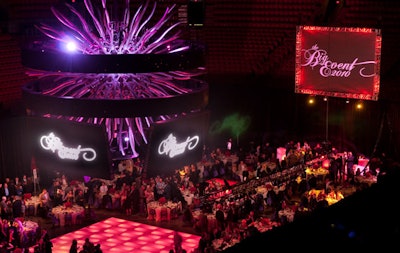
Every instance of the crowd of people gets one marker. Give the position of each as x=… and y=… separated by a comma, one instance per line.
x=86, y=247
x=14, y=235
x=238, y=214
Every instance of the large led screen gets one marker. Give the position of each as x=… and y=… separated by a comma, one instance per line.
x=176, y=143
x=68, y=147
x=338, y=62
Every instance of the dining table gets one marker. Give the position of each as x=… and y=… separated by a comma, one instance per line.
x=61, y=211
x=211, y=219
x=32, y=202
x=27, y=230
x=188, y=196
x=288, y=213
x=366, y=179
x=155, y=208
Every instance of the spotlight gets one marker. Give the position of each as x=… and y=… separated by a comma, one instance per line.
x=347, y=101
x=325, y=99
x=71, y=46
x=359, y=106
x=311, y=100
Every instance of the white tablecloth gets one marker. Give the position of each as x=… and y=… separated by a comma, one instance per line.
x=288, y=212
x=32, y=201
x=154, y=209
x=60, y=211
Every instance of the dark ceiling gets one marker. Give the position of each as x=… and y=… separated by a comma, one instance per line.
x=258, y=37
x=251, y=37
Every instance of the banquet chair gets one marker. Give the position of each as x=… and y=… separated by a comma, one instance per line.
x=30, y=210
x=221, y=171
x=284, y=220
x=68, y=219
x=152, y=214
x=79, y=218
x=164, y=214
x=107, y=202
x=54, y=220
x=174, y=213
x=117, y=204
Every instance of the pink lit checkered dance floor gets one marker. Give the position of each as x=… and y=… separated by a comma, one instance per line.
x=118, y=235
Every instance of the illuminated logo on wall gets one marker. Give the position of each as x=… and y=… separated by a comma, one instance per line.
x=176, y=143
x=54, y=144
x=316, y=57
x=170, y=147
x=338, y=61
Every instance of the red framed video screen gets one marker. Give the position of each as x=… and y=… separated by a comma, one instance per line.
x=338, y=62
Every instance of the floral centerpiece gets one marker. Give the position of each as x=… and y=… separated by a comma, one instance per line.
x=162, y=201
x=67, y=204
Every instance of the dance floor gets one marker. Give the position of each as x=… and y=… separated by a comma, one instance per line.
x=118, y=235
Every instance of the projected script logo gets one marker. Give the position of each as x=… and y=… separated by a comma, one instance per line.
x=54, y=144
x=171, y=148
x=319, y=57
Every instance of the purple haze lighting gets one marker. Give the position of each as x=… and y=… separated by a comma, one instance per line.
x=124, y=70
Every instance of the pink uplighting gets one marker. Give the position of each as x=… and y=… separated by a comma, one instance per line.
x=118, y=235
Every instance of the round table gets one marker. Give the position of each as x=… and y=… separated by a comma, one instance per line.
x=60, y=212
x=32, y=202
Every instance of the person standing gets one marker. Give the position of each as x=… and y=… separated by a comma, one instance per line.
x=6, y=190
x=229, y=146
x=178, y=239
x=97, y=248
x=350, y=163
x=244, y=170
x=44, y=199
x=4, y=208
x=17, y=207
x=220, y=217
x=88, y=246
x=74, y=246
x=48, y=245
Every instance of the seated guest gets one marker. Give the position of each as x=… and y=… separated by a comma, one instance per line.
x=80, y=198
x=187, y=216
x=220, y=217
x=148, y=193
x=13, y=235
x=3, y=230
x=250, y=218
x=4, y=210
x=58, y=193
x=69, y=197
x=17, y=207
x=44, y=198
x=201, y=224
x=243, y=225
x=19, y=189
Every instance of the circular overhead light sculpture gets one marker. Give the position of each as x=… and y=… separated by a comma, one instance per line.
x=124, y=73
